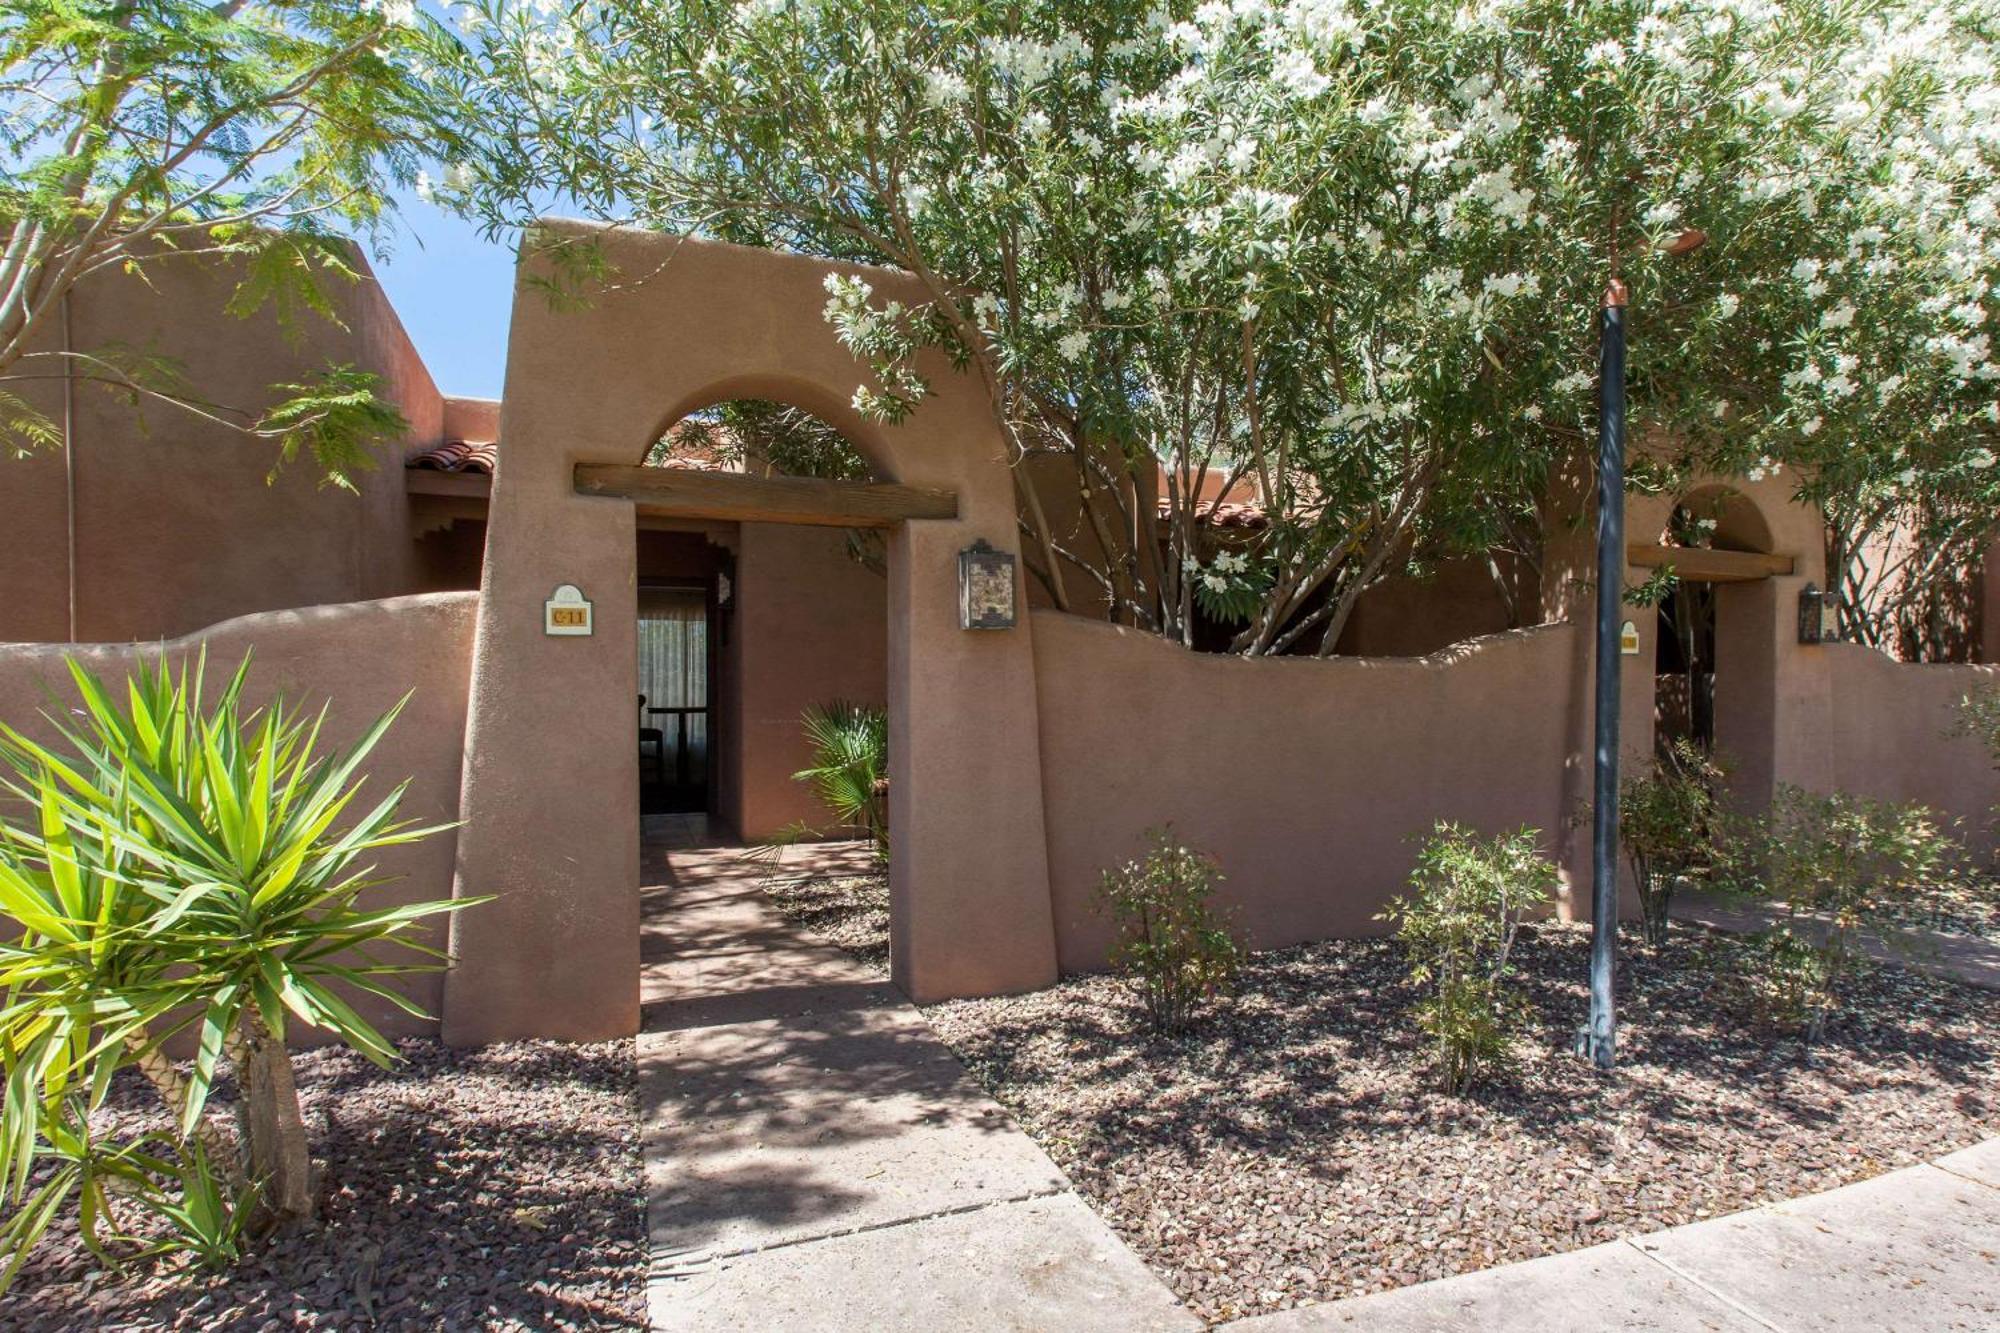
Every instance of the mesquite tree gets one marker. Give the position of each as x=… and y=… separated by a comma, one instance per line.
x=139, y=134
x=1346, y=253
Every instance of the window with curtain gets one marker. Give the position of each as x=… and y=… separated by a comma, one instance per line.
x=673, y=669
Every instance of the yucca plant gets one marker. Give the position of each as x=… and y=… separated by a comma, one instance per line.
x=850, y=768
x=176, y=867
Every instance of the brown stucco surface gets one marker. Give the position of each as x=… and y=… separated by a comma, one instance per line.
x=176, y=524
x=811, y=626
x=359, y=658
x=1889, y=732
x=550, y=792
x=1309, y=780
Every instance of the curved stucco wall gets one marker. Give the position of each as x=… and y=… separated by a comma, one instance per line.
x=359, y=657
x=1891, y=727
x=1309, y=780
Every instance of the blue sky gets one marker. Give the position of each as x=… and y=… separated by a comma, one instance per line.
x=454, y=292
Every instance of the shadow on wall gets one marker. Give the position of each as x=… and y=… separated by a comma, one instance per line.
x=1311, y=780
x=360, y=658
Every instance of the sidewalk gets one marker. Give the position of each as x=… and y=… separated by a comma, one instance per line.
x=1912, y=1250
x=816, y=1158
x=1966, y=958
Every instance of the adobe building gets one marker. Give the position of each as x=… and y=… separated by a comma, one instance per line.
x=590, y=641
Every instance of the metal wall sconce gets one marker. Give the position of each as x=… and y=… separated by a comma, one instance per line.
x=985, y=587
x=1819, y=615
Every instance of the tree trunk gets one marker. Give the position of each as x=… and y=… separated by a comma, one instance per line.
x=274, y=1128
x=223, y=1153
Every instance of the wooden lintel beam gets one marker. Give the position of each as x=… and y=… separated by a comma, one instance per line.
x=744, y=498
x=1702, y=565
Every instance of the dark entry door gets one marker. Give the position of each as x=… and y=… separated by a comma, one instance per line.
x=674, y=716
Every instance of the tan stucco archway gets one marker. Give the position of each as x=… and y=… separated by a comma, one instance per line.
x=1771, y=697
x=550, y=796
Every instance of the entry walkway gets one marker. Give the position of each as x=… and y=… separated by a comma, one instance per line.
x=1915, y=1249
x=817, y=1159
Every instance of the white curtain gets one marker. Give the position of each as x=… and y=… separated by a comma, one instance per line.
x=673, y=669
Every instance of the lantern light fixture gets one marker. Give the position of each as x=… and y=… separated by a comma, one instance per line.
x=985, y=587
x=1819, y=615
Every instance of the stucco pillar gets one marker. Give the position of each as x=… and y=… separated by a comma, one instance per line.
x=1773, y=695
x=550, y=797
x=969, y=879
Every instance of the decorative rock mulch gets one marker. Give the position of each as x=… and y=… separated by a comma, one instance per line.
x=851, y=911
x=1291, y=1151
x=492, y=1189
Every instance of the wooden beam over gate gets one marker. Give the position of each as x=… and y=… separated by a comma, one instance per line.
x=744, y=498
x=1701, y=565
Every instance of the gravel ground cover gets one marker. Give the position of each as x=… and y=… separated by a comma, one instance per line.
x=851, y=911
x=1291, y=1151
x=480, y=1189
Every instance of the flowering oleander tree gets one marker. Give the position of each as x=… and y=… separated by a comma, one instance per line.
x=1348, y=253
x=137, y=134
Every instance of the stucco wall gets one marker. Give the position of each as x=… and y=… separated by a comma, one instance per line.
x=176, y=526
x=811, y=626
x=362, y=656
x=1308, y=779
x=1890, y=725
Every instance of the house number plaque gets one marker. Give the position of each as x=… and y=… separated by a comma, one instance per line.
x=566, y=612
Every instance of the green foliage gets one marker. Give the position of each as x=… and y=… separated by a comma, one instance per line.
x=1457, y=926
x=1668, y=823
x=760, y=434
x=338, y=418
x=1839, y=867
x=1345, y=252
x=1979, y=718
x=850, y=768
x=1175, y=945
x=178, y=865
x=271, y=136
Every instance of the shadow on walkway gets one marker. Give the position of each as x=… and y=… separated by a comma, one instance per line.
x=815, y=1156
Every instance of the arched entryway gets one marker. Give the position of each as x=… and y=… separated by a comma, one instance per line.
x=1715, y=650
x=550, y=831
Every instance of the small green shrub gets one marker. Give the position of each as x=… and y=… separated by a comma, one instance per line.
x=1175, y=946
x=850, y=767
x=1457, y=927
x=1839, y=866
x=1667, y=823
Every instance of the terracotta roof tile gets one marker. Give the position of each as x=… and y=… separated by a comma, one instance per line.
x=483, y=456
x=480, y=456
x=1242, y=514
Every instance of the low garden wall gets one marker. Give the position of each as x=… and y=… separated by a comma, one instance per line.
x=1892, y=736
x=1311, y=781
x=360, y=658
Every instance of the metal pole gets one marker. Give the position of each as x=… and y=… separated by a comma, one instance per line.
x=1600, y=1040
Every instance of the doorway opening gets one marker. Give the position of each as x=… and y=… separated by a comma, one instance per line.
x=675, y=668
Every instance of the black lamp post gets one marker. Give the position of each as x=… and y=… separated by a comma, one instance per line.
x=1599, y=1040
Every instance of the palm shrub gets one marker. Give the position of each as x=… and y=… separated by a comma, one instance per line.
x=1839, y=865
x=173, y=867
x=1172, y=942
x=850, y=767
x=1457, y=927
x=1667, y=822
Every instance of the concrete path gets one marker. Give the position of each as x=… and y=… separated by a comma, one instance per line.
x=1966, y=958
x=1916, y=1249
x=817, y=1159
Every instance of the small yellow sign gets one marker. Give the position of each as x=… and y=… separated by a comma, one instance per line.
x=1628, y=639
x=566, y=612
